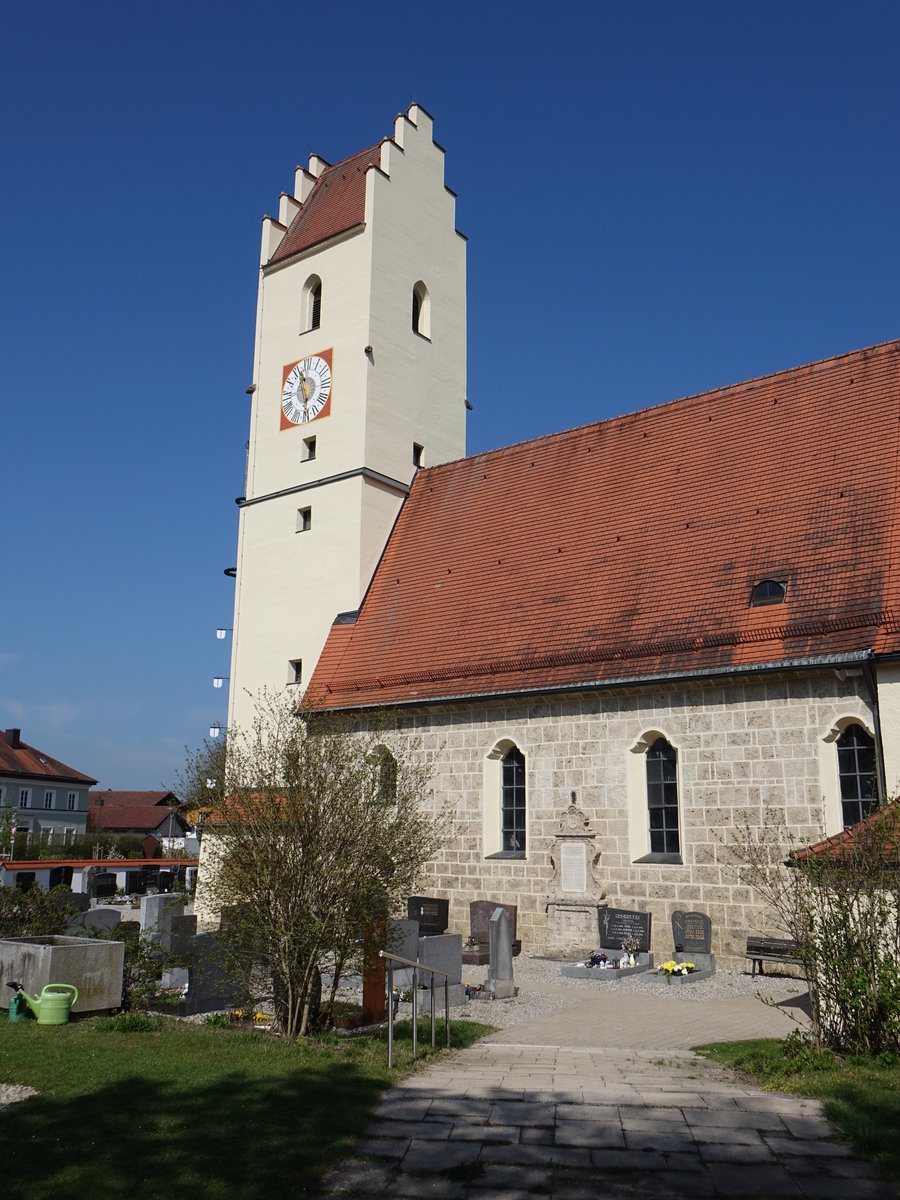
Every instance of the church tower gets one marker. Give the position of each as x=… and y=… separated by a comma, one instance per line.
x=359, y=377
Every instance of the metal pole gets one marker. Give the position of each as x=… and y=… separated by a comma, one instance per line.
x=432, y=1010
x=415, y=1007
x=447, y=1007
x=390, y=1014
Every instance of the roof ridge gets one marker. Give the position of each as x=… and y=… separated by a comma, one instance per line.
x=664, y=404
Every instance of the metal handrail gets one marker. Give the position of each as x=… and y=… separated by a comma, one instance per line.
x=416, y=968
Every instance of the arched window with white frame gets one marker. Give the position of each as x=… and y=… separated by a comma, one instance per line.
x=505, y=801
x=654, y=799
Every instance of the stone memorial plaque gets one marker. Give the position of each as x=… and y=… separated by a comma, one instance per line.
x=574, y=867
x=616, y=924
x=691, y=932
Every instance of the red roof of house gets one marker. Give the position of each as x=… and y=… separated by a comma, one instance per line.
x=20, y=760
x=144, y=818
x=629, y=549
x=880, y=830
x=336, y=203
x=131, y=799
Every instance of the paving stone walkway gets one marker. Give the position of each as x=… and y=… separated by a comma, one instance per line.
x=592, y=1112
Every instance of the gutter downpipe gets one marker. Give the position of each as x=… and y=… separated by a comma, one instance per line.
x=872, y=684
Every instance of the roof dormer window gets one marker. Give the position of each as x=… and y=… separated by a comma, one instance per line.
x=768, y=591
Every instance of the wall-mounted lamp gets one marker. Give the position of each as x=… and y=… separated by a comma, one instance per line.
x=368, y=350
x=248, y=391
x=469, y=406
x=215, y=729
x=220, y=633
x=218, y=680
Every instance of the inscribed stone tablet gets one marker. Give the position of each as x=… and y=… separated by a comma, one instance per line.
x=691, y=932
x=574, y=867
x=618, y=923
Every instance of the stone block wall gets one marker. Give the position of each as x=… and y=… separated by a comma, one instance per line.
x=744, y=748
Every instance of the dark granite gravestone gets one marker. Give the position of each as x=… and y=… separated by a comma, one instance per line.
x=691, y=932
x=616, y=924
x=432, y=913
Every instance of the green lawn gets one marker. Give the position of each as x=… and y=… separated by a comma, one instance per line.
x=861, y=1096
x=185, y=1110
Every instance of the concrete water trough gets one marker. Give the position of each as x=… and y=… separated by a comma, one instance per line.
x=94, y=966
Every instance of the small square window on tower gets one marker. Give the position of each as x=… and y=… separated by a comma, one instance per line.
x=308, y=452
x=295, y=671
x=418, y=451
x=304, y=519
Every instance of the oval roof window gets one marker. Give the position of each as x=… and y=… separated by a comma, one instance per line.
x=767, y=591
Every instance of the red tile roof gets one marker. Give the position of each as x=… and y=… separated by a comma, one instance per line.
x=139, y=818
x=628, y=549
x=130, y=799
x=336, y=203
x=879, y=831
x=24, y=761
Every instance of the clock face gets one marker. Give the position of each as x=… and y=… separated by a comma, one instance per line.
x=307, y=388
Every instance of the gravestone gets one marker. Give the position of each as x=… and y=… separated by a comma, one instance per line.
x=691, y=932
x=480, y=913
x=616, y=924
x=212, y=986
x=104, y=920
x=403, y=940
x=443, y=951
x=432, y=913
x=692, y=938
x=157, y=915
x=500, y=976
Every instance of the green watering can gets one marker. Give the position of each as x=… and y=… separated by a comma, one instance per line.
x=52, y=1006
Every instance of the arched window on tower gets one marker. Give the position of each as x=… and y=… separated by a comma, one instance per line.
x=312, y=303
x=856, y=772
x=421, y=310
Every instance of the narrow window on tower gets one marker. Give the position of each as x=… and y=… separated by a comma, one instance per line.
x=417, y=454
x=421, y=310
x=304, y=519
x=308, y=452
x=295, y=671
x=312, y=304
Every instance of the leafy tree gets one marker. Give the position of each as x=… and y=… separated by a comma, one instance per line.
x=842, y=908
x=201, y=784
x=325, y=823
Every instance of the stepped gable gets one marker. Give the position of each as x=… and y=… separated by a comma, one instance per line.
x=628, y=550
x=336, y=203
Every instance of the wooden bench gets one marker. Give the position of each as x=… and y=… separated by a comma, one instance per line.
x=772, y=949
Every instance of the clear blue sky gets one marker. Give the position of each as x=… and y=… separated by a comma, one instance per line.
x=665, y=197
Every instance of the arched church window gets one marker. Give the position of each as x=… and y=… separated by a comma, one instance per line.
x=385, y=775
x=312, y=303
x=856, y=772
x=512, y=806
x=662, y=797
x=421, y=310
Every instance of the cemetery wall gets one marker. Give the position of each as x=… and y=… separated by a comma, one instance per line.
x=745, y=747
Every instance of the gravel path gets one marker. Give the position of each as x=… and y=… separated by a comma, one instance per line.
x=543, y=990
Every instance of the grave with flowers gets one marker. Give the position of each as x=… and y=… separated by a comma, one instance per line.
x=624, y=948
x=692, y=959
